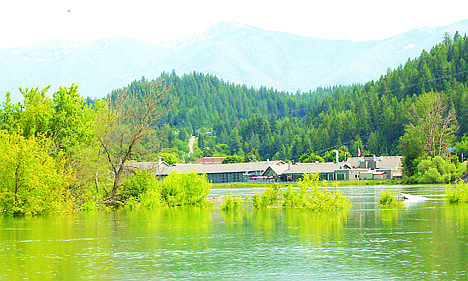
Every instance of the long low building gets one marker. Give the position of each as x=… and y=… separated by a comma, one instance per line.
x=216, y=173
x=355, y=168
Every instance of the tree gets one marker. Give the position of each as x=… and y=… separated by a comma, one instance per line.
x=233, y=159
x=311, y=157
x=431, y=128
x=412, y=148
x=435, y=121
x=130, y=118
x=462, y=148
x=31, y=181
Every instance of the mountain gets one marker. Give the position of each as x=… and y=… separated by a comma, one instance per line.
x=237, y=53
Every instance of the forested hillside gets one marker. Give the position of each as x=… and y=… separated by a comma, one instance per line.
x=281, y=125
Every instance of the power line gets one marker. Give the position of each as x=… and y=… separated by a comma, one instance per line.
x=403, y=87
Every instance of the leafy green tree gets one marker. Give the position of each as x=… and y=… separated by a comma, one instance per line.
x=462, y=147
x=252, y=156
x=435, y=121
x=436, y=170
x=233, y=159
x=31, y=181
x=412, y=149
x=311, y=157
x=169, y=158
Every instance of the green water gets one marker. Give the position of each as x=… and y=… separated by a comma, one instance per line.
x=424, y=241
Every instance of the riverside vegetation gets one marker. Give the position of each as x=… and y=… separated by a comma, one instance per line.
x=310, y=194
x=389, y=199
x=62, y=153
x=457, y=193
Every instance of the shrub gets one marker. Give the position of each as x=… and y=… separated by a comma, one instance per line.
x=309, y=195
x=231, y=203
x=270, y=197
x=457, y=193
x=436, y=170
x=185, y=189
x=389, y=198
x=137, y=184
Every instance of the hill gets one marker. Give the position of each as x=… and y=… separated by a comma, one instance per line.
x=278, y=125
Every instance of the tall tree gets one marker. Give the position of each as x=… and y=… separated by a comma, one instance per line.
x=131, y=117
x=436, y=122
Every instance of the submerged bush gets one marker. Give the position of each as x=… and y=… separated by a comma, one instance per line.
x=137, y=184
x=309, y=195
x=270, y=197
x=185, y=189
x=145, y=189
x=231, y=203
x=389, y=198
x=142, y=187
x=457, y=193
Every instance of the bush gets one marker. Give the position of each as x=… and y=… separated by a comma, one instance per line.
x=310, y=195
x=137, y=184
x=436, y=170
x=185, y=189
x=145, y=189
x=457, y=193
x=389, y=198
x=142, y=187
x=270, y=197
x=231, y=203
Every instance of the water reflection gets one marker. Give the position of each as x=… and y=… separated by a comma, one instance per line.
x=305, y=225
x=389, y=217
x=425, y=241
x=315, y=227
x=457, y=215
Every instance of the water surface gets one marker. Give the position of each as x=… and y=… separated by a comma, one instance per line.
x=426, y=240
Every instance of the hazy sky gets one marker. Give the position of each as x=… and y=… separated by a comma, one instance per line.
x=28, y=22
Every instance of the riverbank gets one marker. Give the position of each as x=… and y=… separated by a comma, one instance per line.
x=294, y=184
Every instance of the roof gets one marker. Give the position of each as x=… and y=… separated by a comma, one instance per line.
x=382, y=162
x=222, y=168
x=146, y=165
x=307, y=168
x=210, y=160
x=278, y=169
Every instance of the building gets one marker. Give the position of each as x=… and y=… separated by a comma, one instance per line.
x=225, y=173
x=355, y=168
x=209, y=160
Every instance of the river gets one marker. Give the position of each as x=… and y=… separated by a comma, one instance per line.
x=425, y=240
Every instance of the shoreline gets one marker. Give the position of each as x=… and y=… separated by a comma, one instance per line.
x=293, y=184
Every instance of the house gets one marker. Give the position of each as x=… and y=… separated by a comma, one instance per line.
x=391, y=166
x=355, y=168
x=155, y=167
x=297, y=170
x=209, y=160
x=225, y=173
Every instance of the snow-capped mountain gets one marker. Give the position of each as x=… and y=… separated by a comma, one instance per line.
x=235, y=52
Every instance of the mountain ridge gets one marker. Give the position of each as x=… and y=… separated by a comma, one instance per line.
x=237, y=53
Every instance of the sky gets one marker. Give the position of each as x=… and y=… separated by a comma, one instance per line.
x=30, y=22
